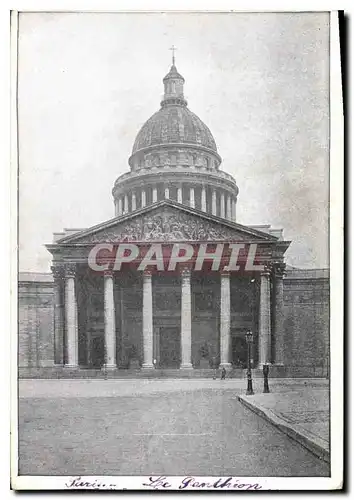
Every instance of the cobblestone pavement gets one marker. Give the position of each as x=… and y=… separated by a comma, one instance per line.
x=135, y=427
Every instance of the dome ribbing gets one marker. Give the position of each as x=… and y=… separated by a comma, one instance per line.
x=174, y=124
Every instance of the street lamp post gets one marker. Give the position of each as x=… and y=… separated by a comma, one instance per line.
x=249, y=340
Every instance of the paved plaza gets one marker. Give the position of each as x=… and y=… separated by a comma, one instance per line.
x=302, y=413
x=153, y=427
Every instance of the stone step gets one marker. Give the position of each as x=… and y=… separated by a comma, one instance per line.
x=82, y=373
x=89, y=373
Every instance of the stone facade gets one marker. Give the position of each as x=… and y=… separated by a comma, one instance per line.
x=35, y=320
x=306, y=322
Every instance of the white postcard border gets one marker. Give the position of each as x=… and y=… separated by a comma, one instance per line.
x=336, y=273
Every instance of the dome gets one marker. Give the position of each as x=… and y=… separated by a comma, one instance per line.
x=174, y=124
x=174, y=157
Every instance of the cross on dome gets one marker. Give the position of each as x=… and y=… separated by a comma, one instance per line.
x=173, y=48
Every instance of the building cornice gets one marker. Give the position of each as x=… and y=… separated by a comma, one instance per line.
x=201, y=174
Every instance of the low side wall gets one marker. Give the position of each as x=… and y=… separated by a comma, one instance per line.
x=306, y=321
x=35, y=321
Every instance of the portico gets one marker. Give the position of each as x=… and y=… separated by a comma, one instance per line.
x=159, y=318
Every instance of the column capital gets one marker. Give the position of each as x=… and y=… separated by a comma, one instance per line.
x=225, y=274
x=58, y=272
x=266, y=271
x=147, y=273
x=185, y=271
x=279, y=269
x=70, y=270
x=108, y=273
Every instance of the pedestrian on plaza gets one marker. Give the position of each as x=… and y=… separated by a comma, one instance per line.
x=223, y=373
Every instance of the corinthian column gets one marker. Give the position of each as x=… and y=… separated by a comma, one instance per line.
x=71, y=316
x=133, y=201
x=213, y=202
x=147, y=320
x=179, y=194
x=264, y=335
x=233, y=209
x=143, y=198
x=109, y=321
x=203, y=200
x=222, y=205
x=58, y=275
x=228, y=207
x=279, y=313
x=186, y=320
x=154, y=195
x=191, y=197
x=225, y=320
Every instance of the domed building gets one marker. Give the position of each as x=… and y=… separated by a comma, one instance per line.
x=175, y=157
x=172, y=283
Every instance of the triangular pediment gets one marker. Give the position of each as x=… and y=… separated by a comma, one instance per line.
x=166, y=221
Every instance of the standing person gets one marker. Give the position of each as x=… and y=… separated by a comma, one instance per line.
x=223, y=373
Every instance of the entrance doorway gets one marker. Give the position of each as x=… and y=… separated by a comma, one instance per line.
x=170, y=347
x=97, y=352
x=239, y=352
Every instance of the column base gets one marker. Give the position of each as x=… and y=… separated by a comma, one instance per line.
x=148, y=366
x=70, y=367
x=46, y=364
x=260, y=365
x=186, y=366
x=227, y=366
x=109, y=367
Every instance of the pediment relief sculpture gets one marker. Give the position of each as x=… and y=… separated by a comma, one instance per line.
x=165, y=227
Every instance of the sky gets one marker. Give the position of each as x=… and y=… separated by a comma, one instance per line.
x=87, y=82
